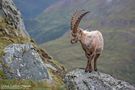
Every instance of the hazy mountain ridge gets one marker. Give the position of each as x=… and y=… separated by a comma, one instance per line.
x=56, y=18
x=32, y=8
x=115, y=19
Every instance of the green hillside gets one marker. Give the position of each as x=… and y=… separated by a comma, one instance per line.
x=116, y=20
x=55, y=20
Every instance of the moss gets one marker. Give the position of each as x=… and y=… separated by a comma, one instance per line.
x=2, y=75
x=57, y=80
x=2, y=22
x=3, y=44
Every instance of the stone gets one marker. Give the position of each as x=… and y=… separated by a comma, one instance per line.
x=23, y=62
x=78, y=79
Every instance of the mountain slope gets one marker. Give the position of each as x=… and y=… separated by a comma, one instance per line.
x=115, y=19
x=55, y=20
x=21, y=60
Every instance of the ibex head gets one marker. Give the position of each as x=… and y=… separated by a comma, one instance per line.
x=76, y=19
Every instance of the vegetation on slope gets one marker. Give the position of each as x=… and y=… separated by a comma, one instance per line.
x=12, y=32
x=8, y=35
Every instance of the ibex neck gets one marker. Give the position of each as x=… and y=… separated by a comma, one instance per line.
x=81, y=34
x=84, y=35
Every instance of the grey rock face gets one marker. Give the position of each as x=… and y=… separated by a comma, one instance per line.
x=21, y=61
x=13, y=15
x=80, y=80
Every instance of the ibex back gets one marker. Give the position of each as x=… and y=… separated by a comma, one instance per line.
x=92, y=42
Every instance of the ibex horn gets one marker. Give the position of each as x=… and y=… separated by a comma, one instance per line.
x=78, y=15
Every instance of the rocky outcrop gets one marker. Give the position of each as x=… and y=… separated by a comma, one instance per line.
x=13, y=16
x=20, y=57
x=80, y=80
x=23, y=62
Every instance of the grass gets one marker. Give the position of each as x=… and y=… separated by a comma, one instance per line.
x=29, y=85
x=11, y=37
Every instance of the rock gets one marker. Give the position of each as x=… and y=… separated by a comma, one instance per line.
x=80, y=80
x=13, y=16
x=23, y=62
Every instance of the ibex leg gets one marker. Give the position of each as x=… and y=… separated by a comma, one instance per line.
x=89, y=67
x=95, y=61
x=89, y=64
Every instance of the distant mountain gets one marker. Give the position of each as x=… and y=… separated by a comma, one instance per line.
x=114, y=18
x=55, y=20
x=32, y=8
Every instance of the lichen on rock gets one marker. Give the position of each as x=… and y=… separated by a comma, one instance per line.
x=23, y=62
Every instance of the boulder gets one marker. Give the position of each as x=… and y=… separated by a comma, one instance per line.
x=22, y=61
x=78, y=79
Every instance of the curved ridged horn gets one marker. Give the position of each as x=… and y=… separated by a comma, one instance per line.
x=73, y=19
x=77, y=16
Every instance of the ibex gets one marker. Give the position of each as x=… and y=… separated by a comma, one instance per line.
x=92, y=42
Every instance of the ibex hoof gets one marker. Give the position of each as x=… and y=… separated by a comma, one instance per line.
x=95, y=69
x=86, y=70
x=90, y=71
